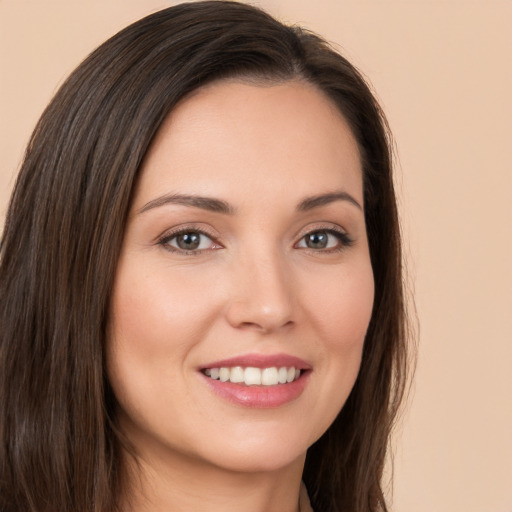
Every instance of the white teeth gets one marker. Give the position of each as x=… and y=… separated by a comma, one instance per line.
x=237, y=374
x=224, y=374
x=269, y=377
x=251, y=376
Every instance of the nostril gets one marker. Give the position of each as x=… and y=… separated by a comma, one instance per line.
x=264, y=326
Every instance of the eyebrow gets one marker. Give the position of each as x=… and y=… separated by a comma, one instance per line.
x=204, y=203
x=323, y=199
x=219, y=206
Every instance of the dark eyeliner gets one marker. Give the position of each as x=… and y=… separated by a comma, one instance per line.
x=168, y=236
x=345, y=240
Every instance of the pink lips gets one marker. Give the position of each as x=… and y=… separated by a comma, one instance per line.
x=259, y=396
x=261, y=361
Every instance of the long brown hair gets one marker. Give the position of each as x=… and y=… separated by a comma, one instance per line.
x=59, y=445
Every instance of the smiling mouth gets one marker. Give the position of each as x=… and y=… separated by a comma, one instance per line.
x=251, y=376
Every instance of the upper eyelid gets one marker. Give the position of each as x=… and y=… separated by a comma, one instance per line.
x=184, y=228
x=175, y=234
x=342, y=235
x=216, y=238
x=322, y=226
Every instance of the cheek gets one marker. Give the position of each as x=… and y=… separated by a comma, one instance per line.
x=159, y=319
x=155, y=311
x=344, y=308
x=150, y=318
x=154, y=327
x=341, y=317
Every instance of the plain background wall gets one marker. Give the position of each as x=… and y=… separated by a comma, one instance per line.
x=442, y=70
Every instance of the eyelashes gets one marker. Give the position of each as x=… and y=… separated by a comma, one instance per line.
x=189, y=241
x=195, y=241
x=325, y=240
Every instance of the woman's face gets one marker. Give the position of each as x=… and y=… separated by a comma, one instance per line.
x=244, y=287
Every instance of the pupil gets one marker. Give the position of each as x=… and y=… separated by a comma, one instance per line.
x=188, y=241
x=317, y=240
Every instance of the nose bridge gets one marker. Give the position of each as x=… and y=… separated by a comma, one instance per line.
x=262, y=290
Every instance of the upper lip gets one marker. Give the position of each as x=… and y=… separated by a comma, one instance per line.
x=260, y=361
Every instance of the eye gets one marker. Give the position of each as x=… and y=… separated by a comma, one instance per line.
x=188, y=241
x=324, y=239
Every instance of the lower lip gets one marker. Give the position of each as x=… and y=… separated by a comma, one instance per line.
x=260, y=397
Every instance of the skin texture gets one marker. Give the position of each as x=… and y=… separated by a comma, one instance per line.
x=253, y=286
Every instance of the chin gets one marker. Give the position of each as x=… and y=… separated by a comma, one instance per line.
x=261, y=462
x=257, y=453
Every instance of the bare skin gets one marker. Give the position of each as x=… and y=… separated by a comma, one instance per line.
x=246, y=242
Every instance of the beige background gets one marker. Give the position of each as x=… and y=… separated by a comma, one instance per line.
x=442, y=70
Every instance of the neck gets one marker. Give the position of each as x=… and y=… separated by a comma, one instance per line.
x=159, y=484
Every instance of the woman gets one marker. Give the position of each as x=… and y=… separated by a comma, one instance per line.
x=201, y=292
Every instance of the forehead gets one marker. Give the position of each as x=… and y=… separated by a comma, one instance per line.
x=255, y=138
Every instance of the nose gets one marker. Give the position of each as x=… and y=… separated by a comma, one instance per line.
x=262, y=295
